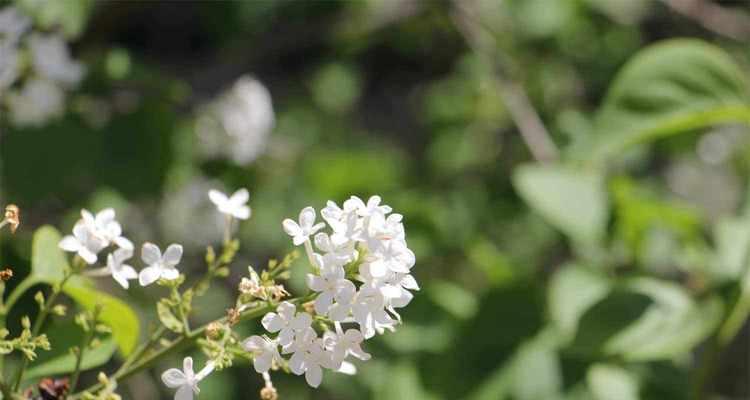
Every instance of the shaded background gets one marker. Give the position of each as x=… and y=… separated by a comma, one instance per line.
x=386, y=97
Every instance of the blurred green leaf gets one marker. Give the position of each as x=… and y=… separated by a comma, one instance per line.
x=536, y=369
x=611, y=382
x=673, y=325
x=47, y=260
x=732, y=239
x=402, y=382
x=572, y=291
x=572, y=200
x=454, y=299
x=670, y=87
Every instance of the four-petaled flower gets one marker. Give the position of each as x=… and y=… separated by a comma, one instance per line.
x=104, y=225
x=329, y=283
x=185, y=381
x=234, y=205
x=309, y=356
x=286, y=321
x=341, y=344
x=83, y=242
x=300, y=232
x=121, y=272
x=265, y=352
x=159, y=266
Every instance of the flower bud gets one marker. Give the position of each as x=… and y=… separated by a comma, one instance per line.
x=269, y=393
x=13, y=216
x=6, y=274
x=213, y=330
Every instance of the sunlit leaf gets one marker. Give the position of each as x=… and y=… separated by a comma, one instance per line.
x=574, y=201
x=572, y=291
x=610, y=382
x=670, y=87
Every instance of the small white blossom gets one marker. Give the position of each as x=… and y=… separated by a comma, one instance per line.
x=106, y=227
x=310, y=357
x=121, y=272
x=235, y=205
x=329, y=283
x=12, y=24
x=265, y=352
x=390, y=255
x=83, y=242
x=343, y=344
x=51, y=59
x=342, y=250
x=300, y=232
x=185, y=381
x=287, y=322
x=365, y=210
x=38, y=101
x=8, y=65
x=159, y=266
x=369, y=312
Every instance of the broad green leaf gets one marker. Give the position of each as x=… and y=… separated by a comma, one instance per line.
x=454, y=299
x=115, y=313
x=47, y=260
x=573, y=290
x=670, y=87
x=537, y=374
x=673, y=325
x=611, y=382
x=573, y=200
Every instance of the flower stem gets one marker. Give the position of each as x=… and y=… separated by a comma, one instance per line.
x=79, y=356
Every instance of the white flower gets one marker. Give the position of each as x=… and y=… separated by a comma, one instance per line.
x=390, y=255
x=12, y=24
x=38, y=101
x=83, y=242
x=341, y=250
x=121, y=272
x=365, y=210
x=264, y=350
x=159, y=266
x=342, y=344
x=286, y=321
x=236, y=205
x=51, y=59
x=237, y=125
x=8, y=65
x=106, y=227
x=369, y=312
x=330, y=282
x=185, y=381
x=310, y=357
x=301, y=232
x=344, y=300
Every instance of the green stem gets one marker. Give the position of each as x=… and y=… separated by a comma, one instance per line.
x=79, y=357
x=39, y=322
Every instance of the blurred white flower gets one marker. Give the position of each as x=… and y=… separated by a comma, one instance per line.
x=186, y=381
x=12, y=24
x=159, y=266
x=238, y=123
x=300, y=232
x=120, y=271
x=83, y=242
x=106, y=227
x=188, y=203
x=51, y=59
x=38, y=101
x=235, y=205
x=8, y=66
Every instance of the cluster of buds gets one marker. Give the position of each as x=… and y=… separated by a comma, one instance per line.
x=255, y=288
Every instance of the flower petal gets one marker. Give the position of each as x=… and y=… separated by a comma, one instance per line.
x=150, y=253
x=173, y=378
x=239, y=197
x=149, y=275
x=272, y=322
x=69, y=243
x=185, y=392
x=291, y=228
x=314, y=375
x=172, y=255
x=217, y=197
x=307, y=218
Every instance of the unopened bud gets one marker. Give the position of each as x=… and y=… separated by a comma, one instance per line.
x=6, y=274
x=13, y=216
x=213, y=330
x=269, y=393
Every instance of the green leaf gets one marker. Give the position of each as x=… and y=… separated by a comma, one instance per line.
x=611, y=382
x=454, y=299
x=673, y=325
x=115, y=313
x=47, y=260
x=537, y=374
x=59, y=360
x=70, y=15
x=573, y=290
x=670, y=87
x=572, y=200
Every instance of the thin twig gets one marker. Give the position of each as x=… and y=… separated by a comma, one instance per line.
x=729, y=23
x=527, y=120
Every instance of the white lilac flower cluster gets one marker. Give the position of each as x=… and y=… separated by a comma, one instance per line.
x=40, y=95
x=237, y=124
x=361, y=276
